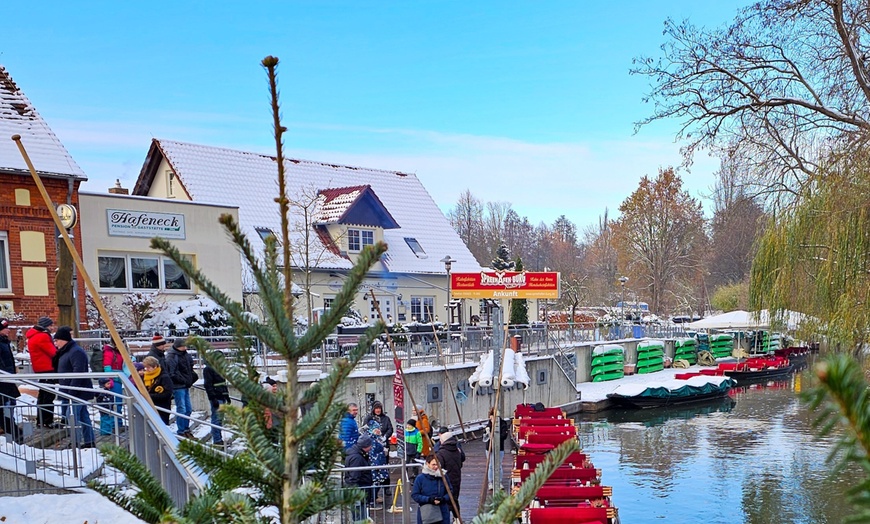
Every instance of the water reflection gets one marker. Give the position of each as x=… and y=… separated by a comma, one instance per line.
x=753, y=458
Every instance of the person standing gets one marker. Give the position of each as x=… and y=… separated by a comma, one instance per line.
x=378, y=457
x=413, y=445
x=112, y=361
x=159, y=386
x=348, y=430
x=218, y=393
x=179, y=365
x=71, y=358
x=425, y=429
x=42, y=352
x=385, y=425
x=429, y=491
x=158, y=350
x=8, y=390
x=358, y=457
x=503, y=430
x=451, y=457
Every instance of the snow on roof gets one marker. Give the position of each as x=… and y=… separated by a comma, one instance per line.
x=249, y=180
x=19, y=117
x=336, y=201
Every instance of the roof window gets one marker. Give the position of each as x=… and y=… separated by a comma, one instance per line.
x=416, y=247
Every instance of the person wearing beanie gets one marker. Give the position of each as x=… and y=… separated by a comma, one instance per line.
x=451, y=457
x=378, y=457
x=42, y=353
x=385, y=425
x=413, y=440
x=158, y=350
x=8, y=390
x=179, y=366
x=358, y=457
x=425, y=429
x=71, y=358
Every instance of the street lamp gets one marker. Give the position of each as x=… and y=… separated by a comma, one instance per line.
x=448, y=263
x=622, y=280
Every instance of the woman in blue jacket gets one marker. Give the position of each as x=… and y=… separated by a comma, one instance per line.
x=429, y=489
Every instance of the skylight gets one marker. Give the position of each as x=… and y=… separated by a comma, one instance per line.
x=265, y=233
x=416, y=247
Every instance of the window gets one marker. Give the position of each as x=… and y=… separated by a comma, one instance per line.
x=170, y=184
x=423, y=308
x=265, y=233
x=327, y=303
x=416, y=247
x=129, y=272
x=5, y=282
x=359, y=238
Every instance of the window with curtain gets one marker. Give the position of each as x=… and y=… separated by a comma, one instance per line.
x=113, y=272
x=5, y=281
x=131, y=272
x=173, y=276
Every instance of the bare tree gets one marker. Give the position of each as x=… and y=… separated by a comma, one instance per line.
x=467, y=220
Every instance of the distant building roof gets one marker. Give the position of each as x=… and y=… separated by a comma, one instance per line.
x=19, y=117
x=358, y=205
x=248, y=180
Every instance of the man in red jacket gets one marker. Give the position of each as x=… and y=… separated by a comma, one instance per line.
x=42, y=350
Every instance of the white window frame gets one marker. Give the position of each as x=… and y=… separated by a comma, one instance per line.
x=128, y=273
x=170, y=183
x=420, y=310
x=5, y=267
x=357, y=239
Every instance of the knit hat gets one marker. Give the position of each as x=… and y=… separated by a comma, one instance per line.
x=139, y=366
x=158, y=340
x=411, y=422
x=364, y=441
x=419, y=408
x=444, y=437
x=64, y=333
x=4, y=324
x=179, y=342
x=44, y=322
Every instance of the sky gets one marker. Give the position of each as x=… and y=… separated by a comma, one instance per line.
x=529, y=103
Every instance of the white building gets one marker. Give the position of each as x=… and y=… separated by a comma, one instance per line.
x=336, y=211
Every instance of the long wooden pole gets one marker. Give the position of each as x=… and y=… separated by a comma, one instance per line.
x=119, y=343
x=447, y=378
x=453, y=501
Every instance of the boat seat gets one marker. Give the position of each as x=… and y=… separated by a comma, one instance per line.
x=523, y=431
x=560, y=475
x=575, y=515
x=537, y=448
x=578, y=493
x=575, y=459
x=542, y=421
x=536, y=438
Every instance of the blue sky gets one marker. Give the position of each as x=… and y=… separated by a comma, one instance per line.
x=525, y=102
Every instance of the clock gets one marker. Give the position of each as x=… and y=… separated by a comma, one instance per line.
x=67, y=215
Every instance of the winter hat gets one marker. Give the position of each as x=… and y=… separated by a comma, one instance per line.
x=377, y=404
x=158, y=340
x=179, y=342
x=419, y=408
x=411, y=422
x=44, y=322
x=364, y=441
x=64, y=333
x=4, y=324
x=444, y=437
x=139, y=366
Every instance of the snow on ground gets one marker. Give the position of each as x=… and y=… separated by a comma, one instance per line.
x=87, y=507
x=597, y=391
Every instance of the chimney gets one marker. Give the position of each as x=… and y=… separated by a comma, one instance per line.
x=118, y=190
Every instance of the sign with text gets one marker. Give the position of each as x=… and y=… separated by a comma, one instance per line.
x=505, y=284
x=125, y=223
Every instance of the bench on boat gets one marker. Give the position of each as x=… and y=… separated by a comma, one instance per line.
x=566, y=475
x=523, y=431
x=575, y=493
x=554, y=439
x=576, y=459
x=528, y=411
x=573, y=515
x=541, y=421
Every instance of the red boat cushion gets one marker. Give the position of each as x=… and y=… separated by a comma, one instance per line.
x=546, y=430
x=541, y=421
x=574, y=459
x=562, y=474
x=686, y=376
x=537, y=448
x=569, y=492
x=581, y=515
x=534, y=438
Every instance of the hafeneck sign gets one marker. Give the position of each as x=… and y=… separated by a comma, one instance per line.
x=127, y=223
x=505, y=284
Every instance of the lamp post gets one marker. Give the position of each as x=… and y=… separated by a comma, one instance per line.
x=448, y=264
x=622, y=280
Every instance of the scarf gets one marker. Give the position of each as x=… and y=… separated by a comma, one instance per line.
x=429, y=471
x=150, y=376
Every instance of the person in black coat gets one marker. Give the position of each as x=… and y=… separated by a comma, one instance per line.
x=383, y=420
x=429, y=489
x=8, y=390
x=158, y=350
x=218, y=394
x=179, y=367
x=358, y=457
x=159, y=386
x=451, y=456
x=71, y=358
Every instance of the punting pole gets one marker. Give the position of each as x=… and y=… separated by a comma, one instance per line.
x=447, y=378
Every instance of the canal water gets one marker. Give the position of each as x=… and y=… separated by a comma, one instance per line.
x=754, y=459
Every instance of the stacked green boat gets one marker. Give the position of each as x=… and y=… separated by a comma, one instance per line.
x=650, y=356
x=721, y=345
x=770, y=342
x=686, y=349
x=608, y=362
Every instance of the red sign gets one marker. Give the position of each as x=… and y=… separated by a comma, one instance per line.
x=505, y=284
x=398, y=389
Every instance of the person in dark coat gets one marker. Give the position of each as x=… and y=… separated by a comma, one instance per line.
x=42, y=352
x=71, y=358
x=383, y=420
x=218, y=393
x=159, y=386
x=429, y=489
x=179, y=367
x=8, y=390
x=358, y=457
x=158, y=350
x=451, y=456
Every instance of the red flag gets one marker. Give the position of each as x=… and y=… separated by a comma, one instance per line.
x=399, y=396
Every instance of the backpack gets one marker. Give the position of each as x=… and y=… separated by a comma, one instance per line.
x=96, y=359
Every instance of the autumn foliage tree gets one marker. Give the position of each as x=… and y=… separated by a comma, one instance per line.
x=658, y=233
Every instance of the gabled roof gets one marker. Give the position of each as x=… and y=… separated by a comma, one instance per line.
x=19, y=117
x=249, y=181
x=357, y=205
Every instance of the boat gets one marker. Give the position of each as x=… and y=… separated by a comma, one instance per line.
x=683, y=389
x=658, y=416
x=757, y=368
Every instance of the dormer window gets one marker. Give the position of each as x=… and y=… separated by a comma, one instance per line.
x=416, y=247
x=357, y=239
